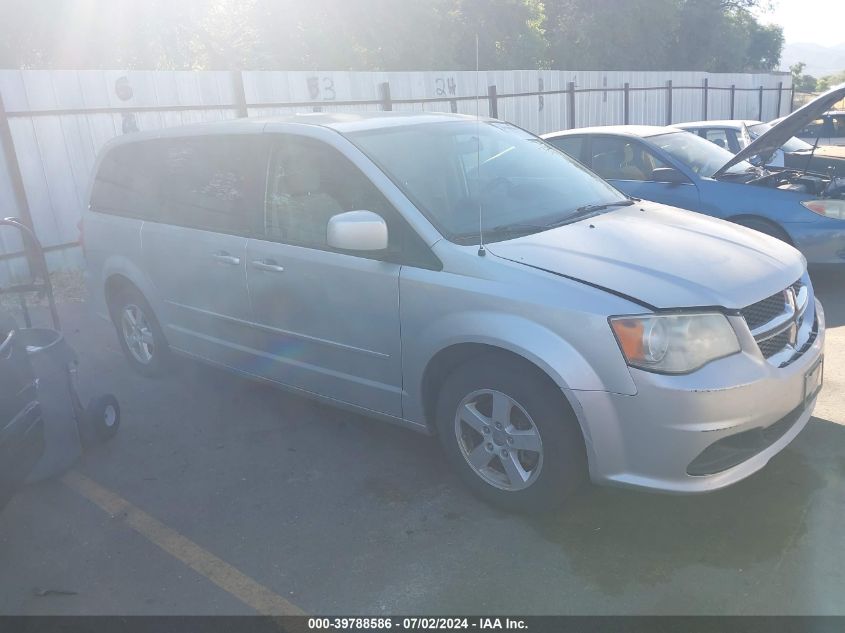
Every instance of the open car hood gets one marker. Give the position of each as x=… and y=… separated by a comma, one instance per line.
x=767, y=143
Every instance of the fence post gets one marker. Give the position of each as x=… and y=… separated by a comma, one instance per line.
x=733, y=99
x=626, y=104
x=384, y=94
x=792, y=99
x=239, y=94
x=570, y=100
x=706, y=91
x=541, y=102
x=760, y=104
x=494, y=102
x=780, y=94
x=18, y=189
x=669, y=102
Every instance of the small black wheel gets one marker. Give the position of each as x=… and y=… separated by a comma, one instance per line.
x=103, y=416
x=510, y=434
x=140, y=334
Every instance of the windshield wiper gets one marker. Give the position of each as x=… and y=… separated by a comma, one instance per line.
x=577, y=214
x=590, y=209
x=515, y=229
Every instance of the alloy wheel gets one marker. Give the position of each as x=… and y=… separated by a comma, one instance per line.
x=137, y=334
x=498, y=439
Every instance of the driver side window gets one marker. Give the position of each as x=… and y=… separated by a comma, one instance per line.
x=308, y=182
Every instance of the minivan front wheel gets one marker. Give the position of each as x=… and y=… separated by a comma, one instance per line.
x=499, y=439
x=511, y=435
x=139, y=333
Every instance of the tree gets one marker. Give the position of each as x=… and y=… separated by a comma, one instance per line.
x=608, y=34
x=800, y=81
x=715, y=35
x=510, y=34
x=828, y=81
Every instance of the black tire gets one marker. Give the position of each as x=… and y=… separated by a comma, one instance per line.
x=764, y=226
x=103, y=416
x=159, y=362
x=564, y=466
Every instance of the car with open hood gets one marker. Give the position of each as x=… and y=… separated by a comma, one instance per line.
x=462, y=278
x=795, y=153
x=675, y=167
x=826, y=129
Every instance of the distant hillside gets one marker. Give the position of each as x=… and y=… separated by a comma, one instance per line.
x=820, y=60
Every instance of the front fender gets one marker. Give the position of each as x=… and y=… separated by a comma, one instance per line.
x=551, y=353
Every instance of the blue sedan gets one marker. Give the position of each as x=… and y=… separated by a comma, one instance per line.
x=677, y=168
x=681, y=169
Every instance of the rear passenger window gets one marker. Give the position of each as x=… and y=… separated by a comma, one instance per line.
x=215, y=183
x=127, y=181
x=719, y=137
x=571, y=145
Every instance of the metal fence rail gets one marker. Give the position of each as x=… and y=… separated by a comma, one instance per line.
x=53, y=123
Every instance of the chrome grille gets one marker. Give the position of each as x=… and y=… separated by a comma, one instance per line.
x=772, y=346
x=775, y=321
x=762, y=312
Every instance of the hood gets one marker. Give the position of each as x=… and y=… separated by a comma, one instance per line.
x=663, y=257
x=825, y=151
x=767, y=143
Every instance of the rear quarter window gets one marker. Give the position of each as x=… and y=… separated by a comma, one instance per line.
x=126, y=183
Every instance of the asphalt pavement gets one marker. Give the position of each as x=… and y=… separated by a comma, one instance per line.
x=224, y=496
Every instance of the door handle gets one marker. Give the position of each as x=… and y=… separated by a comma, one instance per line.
x=224, y=258
x=267, y=265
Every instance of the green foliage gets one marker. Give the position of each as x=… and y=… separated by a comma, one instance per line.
x=715, y=35
x=829, y=81
x=802, y=82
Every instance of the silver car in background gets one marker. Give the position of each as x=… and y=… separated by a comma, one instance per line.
x=462, y=278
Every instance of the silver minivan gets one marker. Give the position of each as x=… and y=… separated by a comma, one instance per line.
x=460, y=277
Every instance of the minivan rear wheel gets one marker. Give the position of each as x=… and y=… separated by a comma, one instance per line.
x=139, y=333
x=510, y=434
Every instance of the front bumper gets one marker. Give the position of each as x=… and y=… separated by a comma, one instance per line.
x=822, y=242
x=651, y=439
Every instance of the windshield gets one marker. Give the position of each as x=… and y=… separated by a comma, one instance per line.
x=792, y=145
x=702, y=156
x=450, y=170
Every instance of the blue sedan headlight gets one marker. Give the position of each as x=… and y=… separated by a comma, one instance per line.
x=828, y=207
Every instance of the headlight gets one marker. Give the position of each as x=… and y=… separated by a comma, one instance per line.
x=828, y=207
x=674, y=343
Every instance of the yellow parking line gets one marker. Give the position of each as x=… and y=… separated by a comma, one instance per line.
x=200, y=560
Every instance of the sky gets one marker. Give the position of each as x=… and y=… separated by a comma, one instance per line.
x=818, y=21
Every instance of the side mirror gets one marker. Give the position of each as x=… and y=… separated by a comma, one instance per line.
x=357, y=231
x=668, y=174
